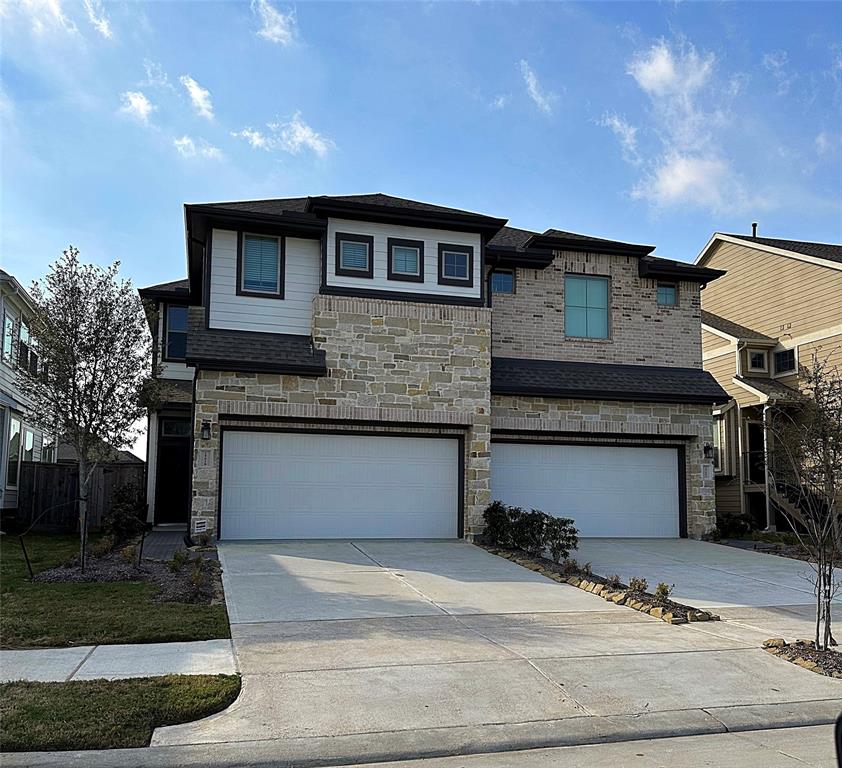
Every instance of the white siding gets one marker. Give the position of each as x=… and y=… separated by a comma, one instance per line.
x=380, y=232
x=292, y=314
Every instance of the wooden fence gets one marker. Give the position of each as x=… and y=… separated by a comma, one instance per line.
x=47, y=493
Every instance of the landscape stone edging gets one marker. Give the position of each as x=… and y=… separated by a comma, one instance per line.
x=777, y=646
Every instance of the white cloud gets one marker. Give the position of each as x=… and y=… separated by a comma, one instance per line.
x=276, y=26
x=828, y=143
x=662, y=71
x=156, y=76
x=626, y=134
x=200, y=97
x=679, y=179
x=776, y=63
x=187, y=147
x=291, y=136
x=98, y=18
x=43, y=15
x=136, y=105
x=543, y=99
x=499, y=102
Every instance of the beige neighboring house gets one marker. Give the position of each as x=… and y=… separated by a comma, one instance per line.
x=779, y=303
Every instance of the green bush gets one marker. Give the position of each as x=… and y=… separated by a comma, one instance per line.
x=102, y=546
x=178, y=560
x=534, y=532
x=663, y=591
x=638, y=584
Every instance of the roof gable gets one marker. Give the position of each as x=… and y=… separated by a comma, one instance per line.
x=822, y=254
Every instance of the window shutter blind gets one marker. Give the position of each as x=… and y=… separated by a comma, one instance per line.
x=354, y=255
x=260, y=263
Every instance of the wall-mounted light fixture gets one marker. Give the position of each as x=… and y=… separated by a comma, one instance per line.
x=708, y=449
x=206, y=430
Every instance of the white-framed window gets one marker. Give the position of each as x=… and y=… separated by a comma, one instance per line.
x=785, y=361
x=260, y=265
x=13, y=453
x=719, y=443
x=23, y=345
x=667, y=294
x=502, y=281
x=175, y=332
x=28, y=447
x=354, y=255
x=757, y=360
x=586, y=307
x=406, y=260
x=8, y=337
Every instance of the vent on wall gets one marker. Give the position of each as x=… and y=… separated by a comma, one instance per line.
x=200, y=526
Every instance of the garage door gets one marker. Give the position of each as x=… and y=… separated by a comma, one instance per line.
x=316, y=486
x=607, y=490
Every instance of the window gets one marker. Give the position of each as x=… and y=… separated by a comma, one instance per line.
x=8, y=337
x=586, y=307
x=667, y=295
x=456, y=265
x=175, y=428
x=785, y=361
x=502, y=281
x=354, y=255
x=48, y=450
x=718, y=443
x=406, y=260
x=756, y=360
x=260, y=266
x=175, y=343
x=13, y=453
x=28, y=445
x=23, y=346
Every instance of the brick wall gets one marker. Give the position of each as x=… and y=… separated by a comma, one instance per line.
x=649, y=423
x=530, y=323
x=413, y=365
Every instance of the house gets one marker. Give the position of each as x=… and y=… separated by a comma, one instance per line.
x=372, y=366
x=19, y=439
x=779, y=303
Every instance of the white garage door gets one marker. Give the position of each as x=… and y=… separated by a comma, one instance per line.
x=316, y=486
x=608, y=491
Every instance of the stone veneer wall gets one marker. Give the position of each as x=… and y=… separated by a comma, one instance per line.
x=649, y=423
x=407, y=364
x=530, y=322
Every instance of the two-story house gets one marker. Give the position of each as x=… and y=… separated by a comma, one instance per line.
x=778, y=305
x=19, y=439
x=371, y=366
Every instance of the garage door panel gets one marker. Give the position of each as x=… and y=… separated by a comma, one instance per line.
x=607, y=490
x=291, y=485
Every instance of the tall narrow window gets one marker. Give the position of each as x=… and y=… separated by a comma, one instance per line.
x=354, y=255
x=28, y=453
x=23, y=346
x=718, y=443
x=13, y=453
x=8, y=337
x=260, y=266
x=586, y=307
x=176, y=331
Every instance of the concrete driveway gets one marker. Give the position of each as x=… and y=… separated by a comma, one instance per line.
x=367, y=650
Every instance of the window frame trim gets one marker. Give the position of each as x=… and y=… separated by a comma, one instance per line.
x=165, y=333
x=14, y=338
x=674, y=286
x=407, y=277
x=749, y=352
x=792, y=371
x=467, y=250
x=6, y=453
x=609, y=325
x=241, y=290
x=353, y=237
x=505, y=270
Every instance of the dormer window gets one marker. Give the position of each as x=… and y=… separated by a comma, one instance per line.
x=261, y=266
x=757, y=360
x=354, y=255
x=456, y=265
x=406, y=260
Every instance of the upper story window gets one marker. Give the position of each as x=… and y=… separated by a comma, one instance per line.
x=456, y=265
x=406, y=260
x=261, y=267
x=757, y=360
x=175, y=332
x=719, y=443
x=354, y=255
x=586, y=306
x=667, y=295
x=502, y=281
x=8, y=337
x=23, y=346
x=785, y=361
x=13, y=453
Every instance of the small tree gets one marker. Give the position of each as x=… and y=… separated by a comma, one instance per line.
x=95, y=352
x=806, y=480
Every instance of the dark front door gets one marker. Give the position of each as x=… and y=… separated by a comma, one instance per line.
x=172, y=483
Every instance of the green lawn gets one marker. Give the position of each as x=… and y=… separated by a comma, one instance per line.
x=53, y=615
x=100, y=714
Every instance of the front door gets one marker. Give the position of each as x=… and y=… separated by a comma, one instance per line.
x=755, y=457
x=172, y=482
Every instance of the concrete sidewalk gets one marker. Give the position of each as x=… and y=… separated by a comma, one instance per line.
x=115, y=662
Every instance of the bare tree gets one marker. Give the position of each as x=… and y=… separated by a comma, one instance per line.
x=94, y=349
x=806, y=480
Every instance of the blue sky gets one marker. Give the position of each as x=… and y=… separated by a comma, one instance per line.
x=656, y=123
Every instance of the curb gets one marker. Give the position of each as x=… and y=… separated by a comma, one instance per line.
x=324, y=751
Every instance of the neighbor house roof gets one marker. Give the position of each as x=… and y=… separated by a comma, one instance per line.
x=172, y=289
x=735, y=330
x=771, y=389
x=598, y=381
x=829, y=251
x=252, y=351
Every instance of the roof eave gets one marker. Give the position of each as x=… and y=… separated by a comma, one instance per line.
x=622, y=395
x=653, y=268
x=595, y=246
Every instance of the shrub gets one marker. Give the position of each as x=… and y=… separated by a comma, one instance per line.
x=528, y=531
x=498, y=526
x=126, y=517
x=663, y=592
x=570, y=567
x=129, y=554
x=638, y=584
x=534, y=532
x=204, y=539
x=178, y=560
x=102, y=546
x=197, y=574
x=613, y=581
x=587, y=570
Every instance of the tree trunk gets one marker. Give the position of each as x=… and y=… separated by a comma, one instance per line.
x=84, y=478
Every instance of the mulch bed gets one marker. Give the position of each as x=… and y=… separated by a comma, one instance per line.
x=612, y=590
x=174, y=586
x=804, y=654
